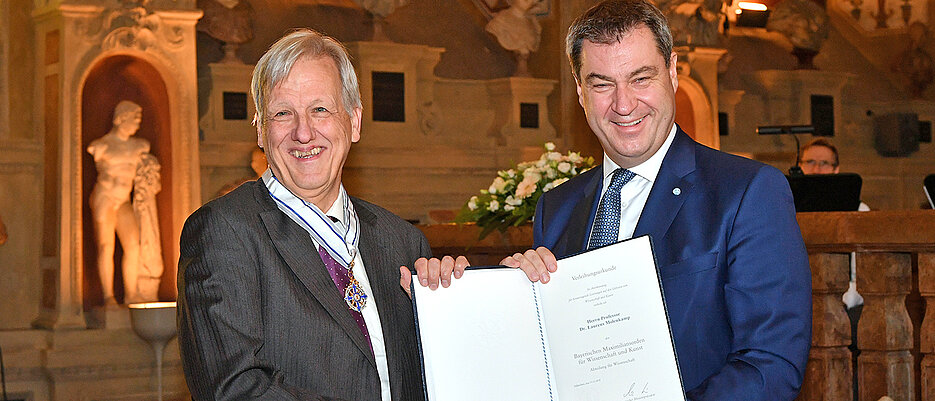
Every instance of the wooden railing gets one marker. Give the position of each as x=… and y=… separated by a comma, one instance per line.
x=895, y=259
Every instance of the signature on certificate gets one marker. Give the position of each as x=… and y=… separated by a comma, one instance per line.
x=637, y=389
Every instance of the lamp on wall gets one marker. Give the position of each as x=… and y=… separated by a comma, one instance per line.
x=753, y=15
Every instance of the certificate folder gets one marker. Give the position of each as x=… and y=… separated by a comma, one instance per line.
x=597, y=331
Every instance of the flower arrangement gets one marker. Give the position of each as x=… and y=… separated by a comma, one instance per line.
x=511, y=198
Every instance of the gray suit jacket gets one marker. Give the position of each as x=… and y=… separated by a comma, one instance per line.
x=260, y=318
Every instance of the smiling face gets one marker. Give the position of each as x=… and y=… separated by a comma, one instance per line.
x=628, y=95
x=308, y=132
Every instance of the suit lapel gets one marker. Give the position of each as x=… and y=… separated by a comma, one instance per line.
x=582, y=215
x=380, y=252
x=374, y=257
x=670, y=189
x=298, y=251
x=383, y=280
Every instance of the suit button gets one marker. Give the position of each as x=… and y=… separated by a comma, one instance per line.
x=676, y=191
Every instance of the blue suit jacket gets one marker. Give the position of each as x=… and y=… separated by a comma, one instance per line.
x=732, y=262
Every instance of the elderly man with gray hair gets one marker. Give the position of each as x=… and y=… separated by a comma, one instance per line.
x=289, y=287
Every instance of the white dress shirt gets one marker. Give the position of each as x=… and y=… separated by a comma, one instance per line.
x=634, y=194
x=371, y=317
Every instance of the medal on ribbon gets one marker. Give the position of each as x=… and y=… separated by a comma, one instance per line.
x=339, y=240
x=354, y=294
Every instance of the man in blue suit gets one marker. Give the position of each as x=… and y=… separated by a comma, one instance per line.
x=730, y=255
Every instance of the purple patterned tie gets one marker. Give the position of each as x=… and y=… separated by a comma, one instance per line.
x=339, y=276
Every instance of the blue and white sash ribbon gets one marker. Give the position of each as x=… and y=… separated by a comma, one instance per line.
x=340, y=241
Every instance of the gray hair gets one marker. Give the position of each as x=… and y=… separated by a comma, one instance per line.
x=278, y=61
x=607, y=22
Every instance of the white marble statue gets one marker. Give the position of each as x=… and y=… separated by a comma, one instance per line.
x=230, y=21
x=146, y=185
x=805, y=24
x=695, y=22
x=380, y=9
x=518, y=31
x=125, y=167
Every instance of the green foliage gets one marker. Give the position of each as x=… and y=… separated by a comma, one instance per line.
x=511, y=198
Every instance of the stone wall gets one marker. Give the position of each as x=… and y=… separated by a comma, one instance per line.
x=21, y=170
x=759, y=87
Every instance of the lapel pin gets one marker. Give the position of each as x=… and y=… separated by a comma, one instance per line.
x=676, y=191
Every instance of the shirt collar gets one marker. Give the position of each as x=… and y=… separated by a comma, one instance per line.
x=648, y=169
x=336, y=211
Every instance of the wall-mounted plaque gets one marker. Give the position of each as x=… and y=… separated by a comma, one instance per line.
x=529, y=115
x=925, y=131
x=722, y=124
x=823, y=115
x=389, y=96
x=235, y=106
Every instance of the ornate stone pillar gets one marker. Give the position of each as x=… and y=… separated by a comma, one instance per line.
x=73, y=39
x=516, y=101
x=884, y=333
x=698, y=69
x=829, y=373
x=416, y=65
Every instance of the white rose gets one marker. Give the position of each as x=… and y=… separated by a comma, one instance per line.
x=564, y=167
x=554, y=156
x=551, y=173
x=574, y=157
x=511, y=173
x=497, y=185
x=472, y=204
x=547, y=187
x=508, y=208
x=549, y=146
x=494, y=206
x=510, y=200
x=532, y=175
x=525, y=188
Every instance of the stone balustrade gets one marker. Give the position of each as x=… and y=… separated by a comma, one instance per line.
x=895, y=260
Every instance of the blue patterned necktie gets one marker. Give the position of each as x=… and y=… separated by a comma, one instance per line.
x=607, y=223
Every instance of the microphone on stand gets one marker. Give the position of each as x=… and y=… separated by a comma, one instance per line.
x=795, y=170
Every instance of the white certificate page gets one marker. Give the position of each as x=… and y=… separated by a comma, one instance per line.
x=597, y=331
x=607, y=326
x=481, y=338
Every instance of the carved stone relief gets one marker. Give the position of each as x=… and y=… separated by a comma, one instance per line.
x=133, y=26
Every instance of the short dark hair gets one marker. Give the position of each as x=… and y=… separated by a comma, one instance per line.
x=608, y=21
x=820, y=142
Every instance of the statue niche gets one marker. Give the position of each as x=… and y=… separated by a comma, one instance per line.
x=123, y=206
